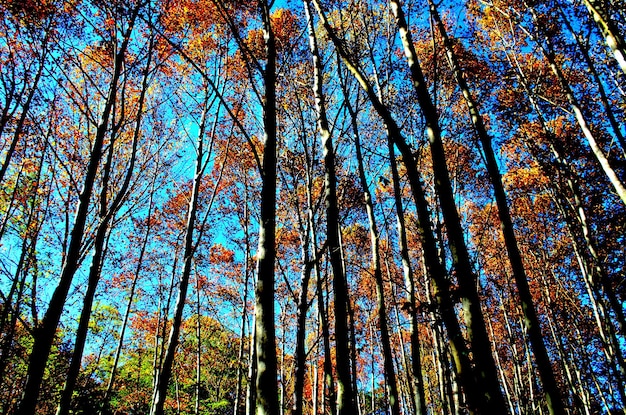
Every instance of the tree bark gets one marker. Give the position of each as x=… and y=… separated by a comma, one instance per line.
x=416, y=360
x=486, y=371
x=531, y=321
x=190, y=245
x=45, y=333
x=609, y=30
x=345, y=393
x=478, y=394
x=266, y=387
x=244, y=303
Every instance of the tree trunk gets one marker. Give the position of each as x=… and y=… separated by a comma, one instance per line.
x=416, y=362
x=12, y=302
x=131, y=296
x=345, y=393
x=244, y=304
x=19, y=127
x=328, y=364
x=478, y=396
x=607, y=332
x=251, y=388
x=165, y=373
x=44, y=334
x=486, y=371
x=609, y=30
x=531, y=321
x=604, y=99
x=265, y=332
x=548, y=51
x=107, y=214
x=307, y=263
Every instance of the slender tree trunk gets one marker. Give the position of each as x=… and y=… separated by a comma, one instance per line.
x=282, y=373
x=307, y=232
x=19, y=127
x=486, y=371
x=165, y=373
x=604, y=99
x=478, y=393
x=244, y=303
x=548, y=51
x=353, y=357
x=303, y=307
x=131, y=297
x=83, y=325
x=265, y=333
x=44, y=334
x=328, y=364
x=345, y=392
x=579, y=400
x=416, y=362
x=196, y=407
x=520, y=392
x=390, y=376
x=315, y=399
x=501, y=372
x=307, y=264
x=12, y=302
x=609, y=30
x=607, y=332
x=447, y=377
x=162, y=321
x=405, y=376
x=531, y=321
x=251, y=389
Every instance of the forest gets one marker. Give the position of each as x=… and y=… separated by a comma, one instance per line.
x=310, y=207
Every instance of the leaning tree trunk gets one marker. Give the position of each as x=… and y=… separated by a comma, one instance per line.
x=416, y=363
x=548, y=52
x=45, y=333
x=165, y=372
x=10, y=313
x=604, y=99
x=21, y=122
x=579, y=220
x=477, y=393
x=492, y=400
x=531, y=321
x=107, y=213
x=345, y=394
x=104, y=406
x=609, y=30
x=390, y=376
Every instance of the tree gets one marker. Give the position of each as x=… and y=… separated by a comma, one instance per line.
x=44, y=334
x=531, y=321
x=615, y=41
x=264, y=334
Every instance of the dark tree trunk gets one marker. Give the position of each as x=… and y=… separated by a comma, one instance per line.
x=45, y=333
x=492, y=400
x=531, y=321
x=265, y=332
